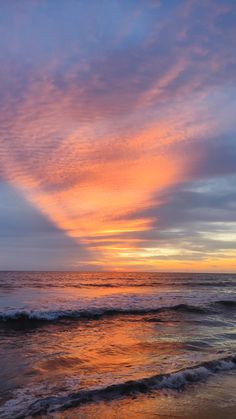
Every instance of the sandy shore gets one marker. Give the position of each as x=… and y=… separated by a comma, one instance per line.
x=213, y=399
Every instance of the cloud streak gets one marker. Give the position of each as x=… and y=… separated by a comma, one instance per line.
x=105, y=130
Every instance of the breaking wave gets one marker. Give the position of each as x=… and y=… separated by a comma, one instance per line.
x=175, y=380
x=50, y=316
x=28, y=317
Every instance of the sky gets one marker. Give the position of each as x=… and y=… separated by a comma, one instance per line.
x=117, y=135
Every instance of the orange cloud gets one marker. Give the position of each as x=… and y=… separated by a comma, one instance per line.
x=89, y=175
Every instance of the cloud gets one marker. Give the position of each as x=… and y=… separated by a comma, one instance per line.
x=98, y=127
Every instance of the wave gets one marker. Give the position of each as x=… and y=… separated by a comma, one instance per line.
x=176, y=380
x=51, y=316
x=226, y=303
x=31, y=317
x=120, y=284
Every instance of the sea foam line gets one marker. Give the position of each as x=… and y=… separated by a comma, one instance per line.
x=51, y=315
x=176, y=380
x=27, y=317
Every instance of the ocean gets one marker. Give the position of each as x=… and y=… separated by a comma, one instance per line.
x=117, y=345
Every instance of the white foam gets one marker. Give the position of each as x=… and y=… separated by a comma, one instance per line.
x=29, y=401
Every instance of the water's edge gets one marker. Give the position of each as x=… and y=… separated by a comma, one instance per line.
x=175, y=380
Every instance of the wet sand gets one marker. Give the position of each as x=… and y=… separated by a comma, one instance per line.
x=213, y=399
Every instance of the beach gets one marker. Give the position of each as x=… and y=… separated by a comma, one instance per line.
x=214, y=398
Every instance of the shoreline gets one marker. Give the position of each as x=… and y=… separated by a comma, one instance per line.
x=214, y=398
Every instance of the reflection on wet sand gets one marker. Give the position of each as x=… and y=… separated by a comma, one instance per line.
x=213, y=399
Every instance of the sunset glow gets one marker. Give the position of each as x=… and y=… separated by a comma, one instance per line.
x=117, y=142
